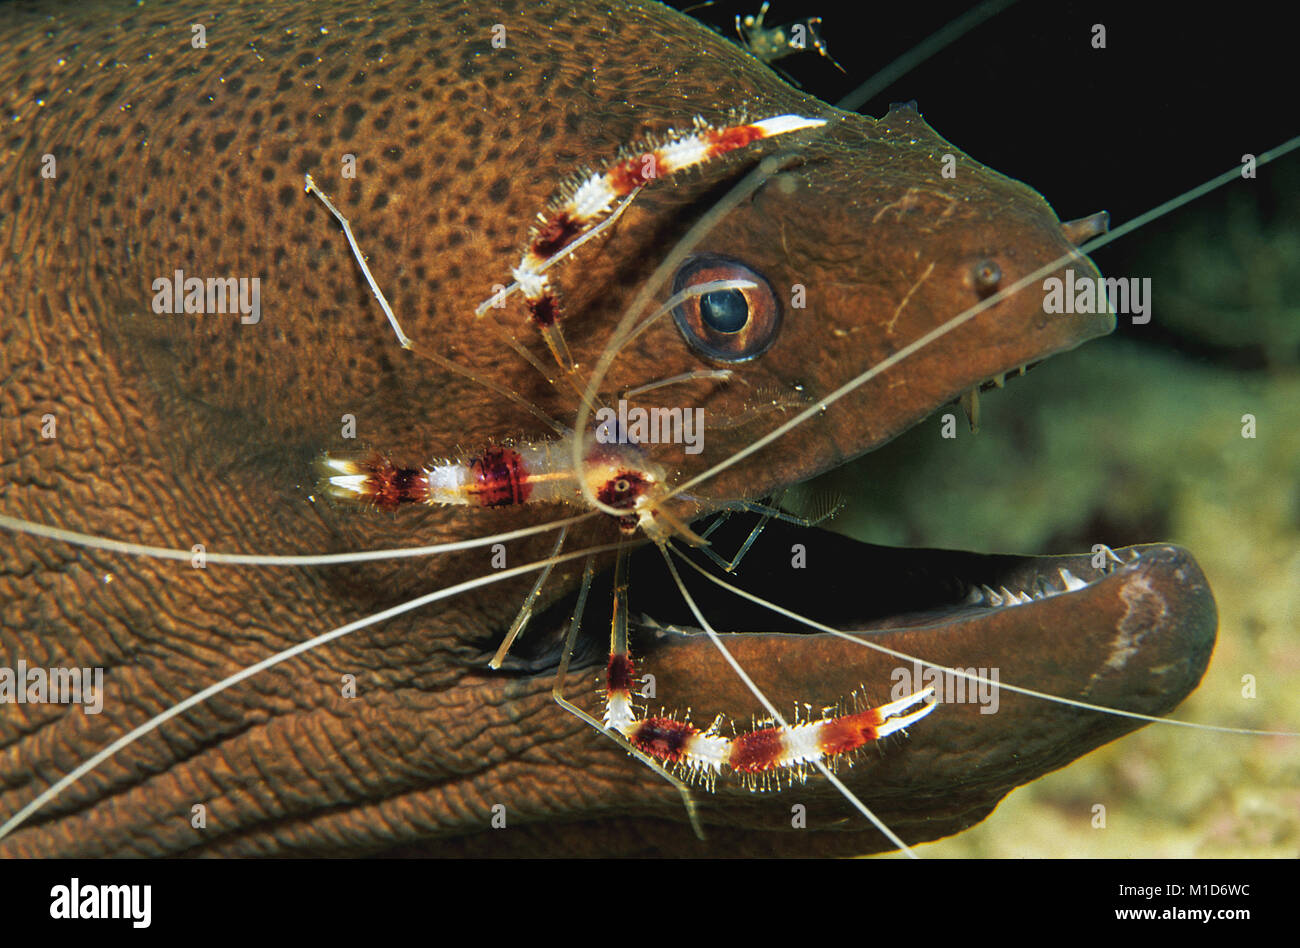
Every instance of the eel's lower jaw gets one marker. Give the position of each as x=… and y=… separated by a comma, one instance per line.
x=1134, y=635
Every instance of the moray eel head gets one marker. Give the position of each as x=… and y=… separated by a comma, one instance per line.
x=868, y=238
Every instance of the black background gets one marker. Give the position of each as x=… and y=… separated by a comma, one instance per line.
x=1178, y=95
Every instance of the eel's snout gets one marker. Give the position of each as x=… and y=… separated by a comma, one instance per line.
x=1137, y=640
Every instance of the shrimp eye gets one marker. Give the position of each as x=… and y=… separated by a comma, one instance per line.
x=726, y=325
x=985, y=277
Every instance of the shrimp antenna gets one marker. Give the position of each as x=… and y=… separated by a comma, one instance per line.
x=966, y=315
x=248, y=672
x=951, y=32
x=405, y=341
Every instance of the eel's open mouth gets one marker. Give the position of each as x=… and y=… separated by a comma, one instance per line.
x=1131, y=629
x=996, y=636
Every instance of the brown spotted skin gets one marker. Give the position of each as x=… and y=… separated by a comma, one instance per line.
x=181, y=430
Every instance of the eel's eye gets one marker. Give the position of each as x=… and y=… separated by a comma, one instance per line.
x=985, y=277
x=726, y=325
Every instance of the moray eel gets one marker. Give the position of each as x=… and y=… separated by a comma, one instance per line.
x=140, y=143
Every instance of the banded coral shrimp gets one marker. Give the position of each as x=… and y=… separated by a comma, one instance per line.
x=334, y=250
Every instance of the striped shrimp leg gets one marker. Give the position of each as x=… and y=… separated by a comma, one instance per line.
x=759, y=756
x=589, y=205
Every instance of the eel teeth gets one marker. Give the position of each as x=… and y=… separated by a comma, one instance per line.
x=1111, y=560
x=1072, y=582
x=999, y=380
x=985, y=595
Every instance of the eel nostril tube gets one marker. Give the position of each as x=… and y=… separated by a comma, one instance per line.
x=1085, y=228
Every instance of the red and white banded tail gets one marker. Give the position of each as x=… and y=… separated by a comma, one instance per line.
x=756, y=753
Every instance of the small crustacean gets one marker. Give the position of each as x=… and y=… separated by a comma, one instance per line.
x=777, y=42
x=768, y=44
